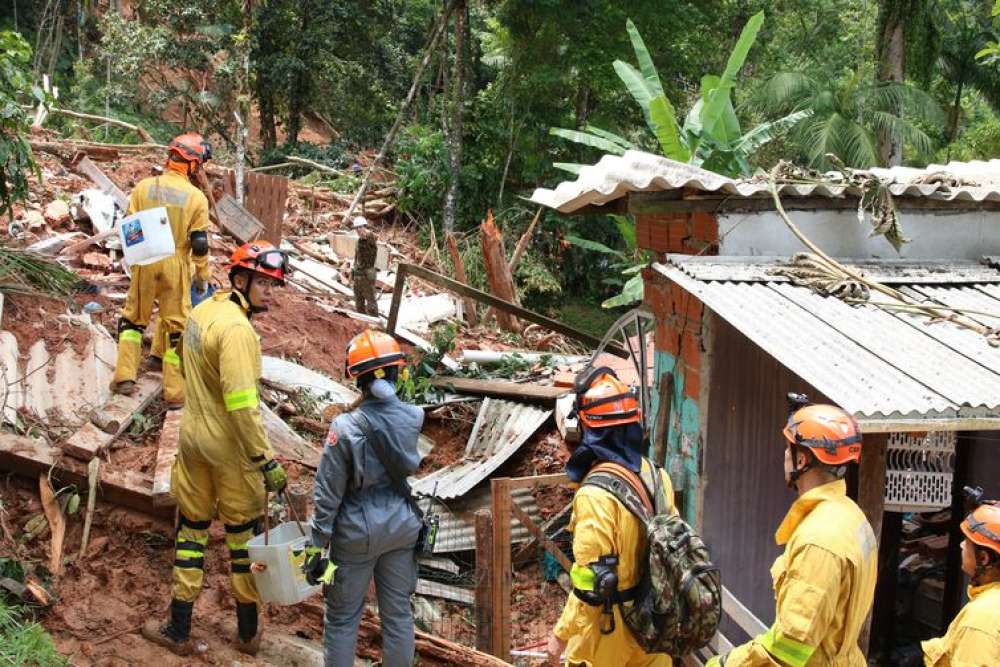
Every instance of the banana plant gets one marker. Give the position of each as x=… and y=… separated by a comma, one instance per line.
x=710, y=137
x=625, y=263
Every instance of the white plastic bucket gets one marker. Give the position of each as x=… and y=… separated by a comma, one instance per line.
x=146, y=237
x=281, y=580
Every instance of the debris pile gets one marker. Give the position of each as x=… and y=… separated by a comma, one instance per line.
x=493, y=400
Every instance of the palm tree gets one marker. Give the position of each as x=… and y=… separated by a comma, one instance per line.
x=847, y=115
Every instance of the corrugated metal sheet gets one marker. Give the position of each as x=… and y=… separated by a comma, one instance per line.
x=615, y=176
x=885, y=271
x=457, y=530
x=876, y=364
x=500, y=429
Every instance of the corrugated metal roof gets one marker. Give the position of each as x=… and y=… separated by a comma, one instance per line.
x=500, y=429
x=457, y=528
x=875, y=363
x=615, y=176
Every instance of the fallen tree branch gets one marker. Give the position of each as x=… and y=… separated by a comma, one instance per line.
x=522, y=243
x=293, y=159
x=837, y=269
x=143, y=134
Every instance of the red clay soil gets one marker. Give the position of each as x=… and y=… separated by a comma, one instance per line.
x=124, y=579
x=296, y=328
x=34, y=318
x=450, y=437
x=535, y=607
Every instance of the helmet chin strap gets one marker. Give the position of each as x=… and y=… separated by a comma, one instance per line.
x=797, y=472
x=245, y=291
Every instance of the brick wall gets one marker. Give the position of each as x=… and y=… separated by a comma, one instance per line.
x=686, y=233
x=678, y=316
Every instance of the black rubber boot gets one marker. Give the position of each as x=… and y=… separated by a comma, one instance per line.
x=176, y=633
x=247, y=634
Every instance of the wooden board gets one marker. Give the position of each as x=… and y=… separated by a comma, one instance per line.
x=116, y=415
x=237, y=221
x=169, y=440
x=88, y=442
x=500, y=388
x=265, y=199
x=94, y=173
x=29, y=457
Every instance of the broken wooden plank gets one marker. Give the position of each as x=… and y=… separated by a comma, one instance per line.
x=100, y=179
x=468, y=305
x=84, y=245
x=569, y=427
x=116, y=415
x=57, y=522
x=237, y=221
x=404, y=270
x=497, y=271
x=88, y=442
x=500, y=388
x=540, y=536
x=286, y=443
x=170, y=438
x=29, y=457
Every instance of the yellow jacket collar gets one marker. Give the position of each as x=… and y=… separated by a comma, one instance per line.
x=804, y=505
x=228, y=294
x=976, y=591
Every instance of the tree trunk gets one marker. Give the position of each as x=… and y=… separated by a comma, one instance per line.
x=582, y=105
x=497, y=271
x=454, y=129
x=365, y=273
x=890, y=51
x=955, y=115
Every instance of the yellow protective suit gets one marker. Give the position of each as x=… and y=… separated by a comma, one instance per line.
x=166, y=283
x=973, y=638
x=602, y=525
x=222, y=443
x=824, y=585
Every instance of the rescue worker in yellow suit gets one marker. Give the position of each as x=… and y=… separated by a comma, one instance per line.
x=224, y=460
x=166, y=283
x=602, y=525
x=973, y=638
x=824, y=582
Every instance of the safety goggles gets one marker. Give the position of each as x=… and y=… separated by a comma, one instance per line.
x=273, y=260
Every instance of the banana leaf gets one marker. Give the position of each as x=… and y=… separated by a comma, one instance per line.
x=587, y=244
x=664, y=125
x=586, y=139
x=718, y=101
x=636, y=85
x=631, y=293
x=571, y=167
x=610, y=136
x=645, y=61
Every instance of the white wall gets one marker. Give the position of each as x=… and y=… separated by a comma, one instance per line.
x=838, y=233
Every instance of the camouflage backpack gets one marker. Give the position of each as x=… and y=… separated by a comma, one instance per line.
x=678, y=603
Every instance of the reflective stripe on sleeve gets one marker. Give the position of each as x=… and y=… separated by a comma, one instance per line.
x=238, y=400
x=789, y=651
x=582, y=578
x=130, y=336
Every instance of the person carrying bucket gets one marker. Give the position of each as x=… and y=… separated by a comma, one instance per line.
x=365, y=521
x=167, y=283
x=224, y=461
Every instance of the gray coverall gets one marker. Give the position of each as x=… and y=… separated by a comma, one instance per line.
x=369, y=526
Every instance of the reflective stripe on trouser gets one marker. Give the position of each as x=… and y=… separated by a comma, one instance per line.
x=237, y=490
x=173, y=381
x=244, y=587
x=167, y=284
x=189, y=558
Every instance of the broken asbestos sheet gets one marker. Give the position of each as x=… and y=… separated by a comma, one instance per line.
x=325, y=390
x=68, y=383
x=500, y=429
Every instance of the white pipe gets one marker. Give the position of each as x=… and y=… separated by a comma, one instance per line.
x=485, y=357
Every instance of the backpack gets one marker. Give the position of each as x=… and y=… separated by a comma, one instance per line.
x=677, y=605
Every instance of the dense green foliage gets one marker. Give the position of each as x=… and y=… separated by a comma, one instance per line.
x=15, y=86
x=327, y=78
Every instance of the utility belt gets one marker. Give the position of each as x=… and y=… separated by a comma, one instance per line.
x=605, y=592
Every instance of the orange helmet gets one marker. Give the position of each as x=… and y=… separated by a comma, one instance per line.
x=260, y=257
x=191, y=147
x=371, y=350
x=832, y=434
x=982, y=527
x=608, y=402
